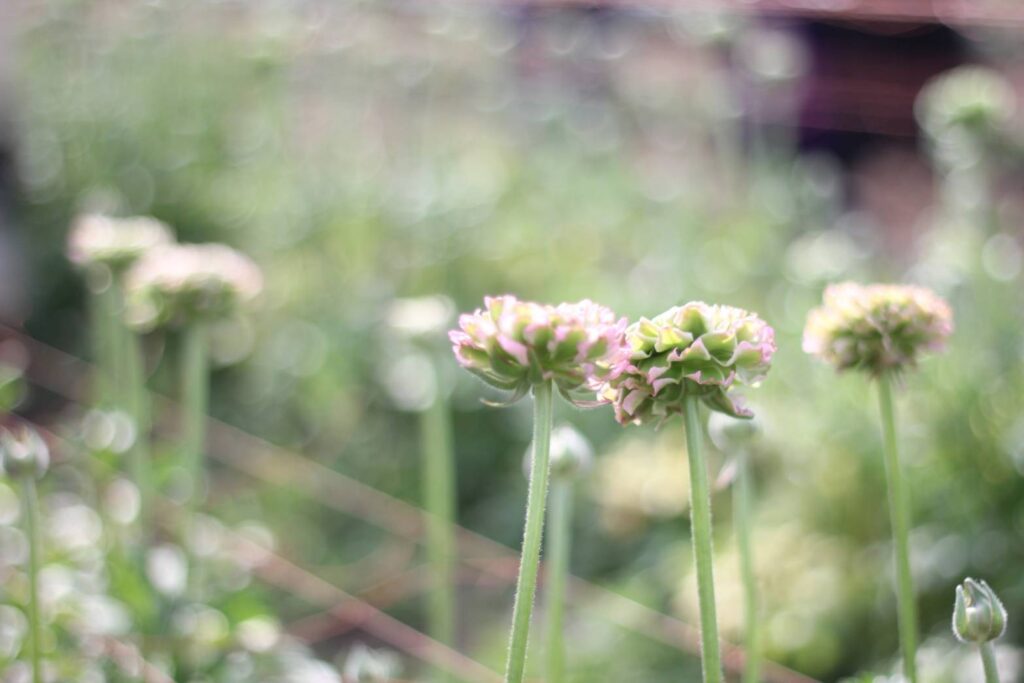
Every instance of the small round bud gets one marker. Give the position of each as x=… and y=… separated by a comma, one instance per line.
x=571, y=455
x=978, y=614
x=729, y=433
x=23, y=453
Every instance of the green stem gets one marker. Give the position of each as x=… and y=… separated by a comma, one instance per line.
x=439, y=500
x=139, y=410
x=743, y=498
x=557, y=564
x=700, y=519
x=988, y=660
x=195, y=394
x=526, y=586
x=34, y=549
x=899, y=511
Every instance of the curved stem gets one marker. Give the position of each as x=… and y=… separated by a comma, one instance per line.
x=529, y=562
x=988, y=660
x=557, y=564
x=743, y=496
x=439, y=501
x=899, y=512
x=34, y=550
x=700, y=520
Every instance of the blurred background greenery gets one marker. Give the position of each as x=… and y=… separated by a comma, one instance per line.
x=639, y=156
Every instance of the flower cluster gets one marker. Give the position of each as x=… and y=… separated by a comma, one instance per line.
x=877, y=328
x=99, y=240
x=175, y=284
x=696, y=349
x=513, y=344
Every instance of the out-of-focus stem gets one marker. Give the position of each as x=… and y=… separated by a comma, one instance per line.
x=526, y=585
x=743, y=513
x=899, y=512
x=139, y=408
x=195, y=394
x=34, y=557
x=557, y=565
x=700, y=520
x=439, y=500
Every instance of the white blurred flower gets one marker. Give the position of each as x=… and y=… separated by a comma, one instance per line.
x=96, y=239
x=167, y=569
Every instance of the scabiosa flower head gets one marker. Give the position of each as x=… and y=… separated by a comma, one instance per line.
x=698, y=350
x=877, y=328
x=978, y=614
x=175, y=284
x=96, y=239
x=512, y=344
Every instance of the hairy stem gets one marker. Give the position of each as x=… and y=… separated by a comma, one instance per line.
x=526, y=585
x=743, y=498
x=899, y=512
x=559, y=548
x=439, y=501
x=700, y=520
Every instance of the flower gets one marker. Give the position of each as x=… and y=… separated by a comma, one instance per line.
x=96, y=239
x=23, y=453
x=973, y=99
x=697, y=349
x=175, y=284
x=512, y=345
x=978, y=614
x=877, y=328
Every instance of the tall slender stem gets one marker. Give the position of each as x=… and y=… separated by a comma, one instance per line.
x=700, y=520
x=557, y=565
x=988, y=660
x=34, y=551
x=195, y=395
x=526, y=585
x=899, y=512
x=743, y=497
x=711, y=657
x=439, y=500
x=139, y=410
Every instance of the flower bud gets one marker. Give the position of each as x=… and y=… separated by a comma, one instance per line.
x=978, y=614
x=571, y=455
x=23, y=453
x=730, y=434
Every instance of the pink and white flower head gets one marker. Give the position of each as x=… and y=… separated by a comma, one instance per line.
x=877, y=328
x=176, y=284
x=99, y=240
x=512, y=345
x=697, y=349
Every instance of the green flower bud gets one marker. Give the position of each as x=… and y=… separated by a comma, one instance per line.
x=978, y=614
x=23, y=453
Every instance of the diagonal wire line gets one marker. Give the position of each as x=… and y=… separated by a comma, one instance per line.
x=65, y=374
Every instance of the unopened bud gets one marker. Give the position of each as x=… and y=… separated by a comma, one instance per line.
x=729, y=433
x=978, y=615
x=23, y=453
x=571, y=454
